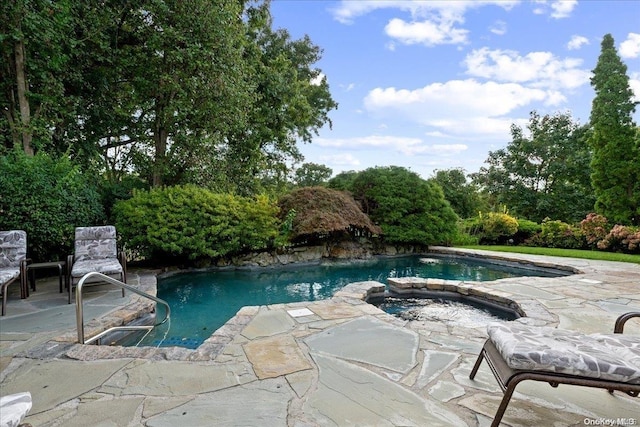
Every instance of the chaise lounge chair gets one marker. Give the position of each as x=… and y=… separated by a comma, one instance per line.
x=517, y=352
x=13, y=263
x=95, y=250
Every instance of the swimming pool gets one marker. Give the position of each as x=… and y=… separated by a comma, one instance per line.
x=201, y=302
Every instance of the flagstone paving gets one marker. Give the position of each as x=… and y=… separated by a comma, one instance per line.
x=337, y=362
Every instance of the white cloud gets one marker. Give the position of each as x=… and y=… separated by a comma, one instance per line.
x=425, y=32
x=348, y=10
x=459, y=108
x=563, y=8
x=458, y=97
x=538, y=69
x=348, y=87
x=634, y=83
x=559, y=8
x=431, y=23
x=577, y=42
x=403, y=145
x=367, y=142
x=499, y=28
x=344, y=159
x=630, y=48
x=317, y=80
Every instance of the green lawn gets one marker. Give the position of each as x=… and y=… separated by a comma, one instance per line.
x=572, y=253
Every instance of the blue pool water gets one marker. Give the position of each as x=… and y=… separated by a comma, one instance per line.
x=202, y=302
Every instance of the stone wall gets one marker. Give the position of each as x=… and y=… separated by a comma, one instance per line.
x=307, y=254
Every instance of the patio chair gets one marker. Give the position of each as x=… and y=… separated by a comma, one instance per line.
x=95, y=250
x=13, y=263
x=517, y=352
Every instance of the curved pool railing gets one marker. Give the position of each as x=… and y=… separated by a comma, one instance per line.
x=122, y=285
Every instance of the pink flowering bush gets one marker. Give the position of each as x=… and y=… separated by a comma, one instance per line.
x=594, y=228
x=621, y=238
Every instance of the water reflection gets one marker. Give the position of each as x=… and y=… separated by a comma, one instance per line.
x=202, y=302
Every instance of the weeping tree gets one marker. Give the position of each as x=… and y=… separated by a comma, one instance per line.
x=615, y=165
x=313, y=214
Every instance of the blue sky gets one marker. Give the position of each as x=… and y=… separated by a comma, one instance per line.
x=433, y=85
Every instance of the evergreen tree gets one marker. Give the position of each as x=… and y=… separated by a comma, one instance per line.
x=615, y=164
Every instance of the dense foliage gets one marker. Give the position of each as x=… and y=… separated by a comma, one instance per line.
x=312, y=174
x=188, y=222
x=409, y=209
x=320, y=213
x=198, y=92
x=497, y=227
x=463, y=196
x=542, y=174
x=615, y=170
x=115, y=98
x=48, y=198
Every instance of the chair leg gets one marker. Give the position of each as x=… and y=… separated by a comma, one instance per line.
x=504, y=403
x=474, y=371
x=4, y=298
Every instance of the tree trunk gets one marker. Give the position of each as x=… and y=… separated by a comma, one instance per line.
x=23, y=102
x=160, y=139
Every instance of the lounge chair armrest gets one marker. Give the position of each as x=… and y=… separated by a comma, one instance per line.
x=620, y=321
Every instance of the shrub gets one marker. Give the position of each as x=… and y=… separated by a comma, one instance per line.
x=111, y=192
x=497, y=227
x=47, y=198
x=188, y=222
x=558, y=234
x=594, y=228
x=464, y=235
x=526, y=230
x=621, y=239
x=409, y=209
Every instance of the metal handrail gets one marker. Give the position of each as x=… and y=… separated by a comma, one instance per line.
x=118, y=283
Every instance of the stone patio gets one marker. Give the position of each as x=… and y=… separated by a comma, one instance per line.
x=337, y=362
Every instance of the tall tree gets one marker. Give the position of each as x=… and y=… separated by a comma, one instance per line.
x=542, y=174
x=187, y=72
x=291, y=105
x=312, y=174
x=615, y=164
x=463, y=196
x=33, y=48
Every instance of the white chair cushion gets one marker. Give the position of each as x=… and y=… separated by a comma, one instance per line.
x=8, y=274
x=104, y=266
x=614, y=357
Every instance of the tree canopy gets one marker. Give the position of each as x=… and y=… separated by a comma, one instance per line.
x=463, y=196
x=312, y=174
x=176, y=92
x=409, y=209
x=615, y=165
x=544, y=173
x=320, y=213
